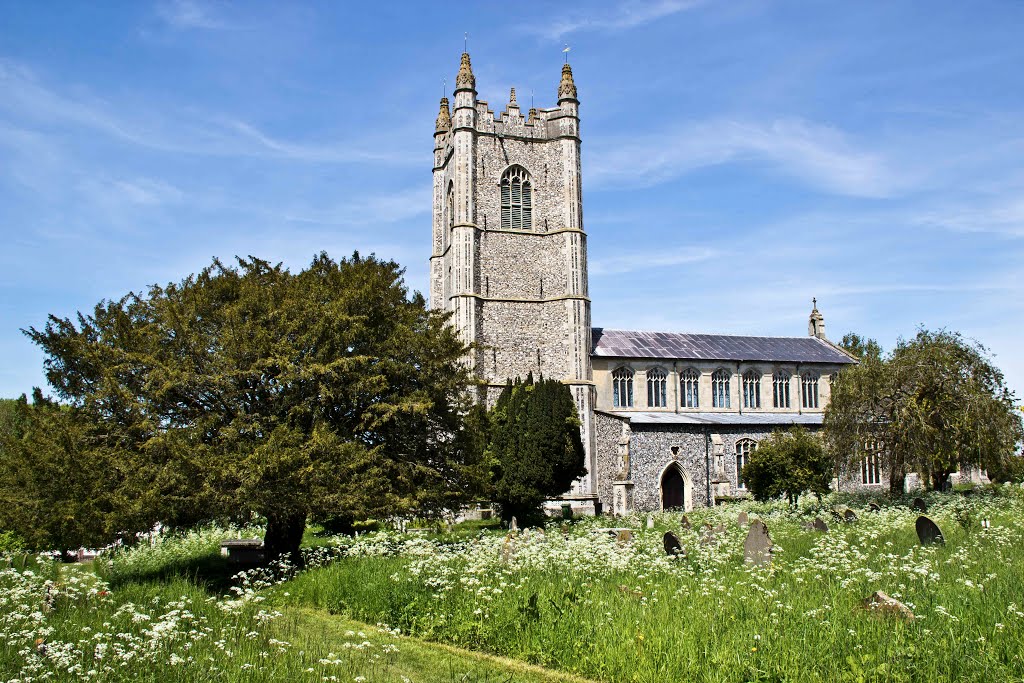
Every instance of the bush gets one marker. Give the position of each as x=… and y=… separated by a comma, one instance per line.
x=788, y=464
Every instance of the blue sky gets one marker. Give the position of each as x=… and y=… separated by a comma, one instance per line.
x=739, y=157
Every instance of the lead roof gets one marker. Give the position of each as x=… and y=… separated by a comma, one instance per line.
x=725, y=347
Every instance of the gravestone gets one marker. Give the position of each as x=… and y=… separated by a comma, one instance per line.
x=508, y=549
x=919, y=505
x=742, y=519
x=874, y=507
x=849, y=516
x=624, y=535
x=881, y=605
x=245, y=552
x=514, y=524
x=672, y=546
x=928, y=532
x=720, y=529
x=707, y=535
x=650, y=522
x=757, y=549
x=819, y=525
x=686, y=523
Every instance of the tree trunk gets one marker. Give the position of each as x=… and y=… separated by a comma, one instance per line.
x=284, y=536
x=897, y=475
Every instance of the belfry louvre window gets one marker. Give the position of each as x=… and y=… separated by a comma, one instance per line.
x=720, y=389
x=751, y=389
x=780, y=390
x=744, y=447
x=622, y=388
x=809, y=382
x=870, y=471
x=688, y=389
x=516, y=200
x=656, y=381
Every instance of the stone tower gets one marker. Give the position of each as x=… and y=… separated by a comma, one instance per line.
x=509, y=256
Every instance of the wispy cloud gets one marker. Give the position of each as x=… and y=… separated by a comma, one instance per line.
x=819, y=155
x=189, y=14
x=627, y=263
x=624, y=16
x=1004, y=218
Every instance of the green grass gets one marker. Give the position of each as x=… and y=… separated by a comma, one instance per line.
x=621, y=613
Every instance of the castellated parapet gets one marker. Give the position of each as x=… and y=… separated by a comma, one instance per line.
x=509, y=253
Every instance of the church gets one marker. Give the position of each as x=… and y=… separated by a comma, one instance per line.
x=668, y=419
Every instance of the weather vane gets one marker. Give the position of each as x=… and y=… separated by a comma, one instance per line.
x=465, y=41
x=566, y=51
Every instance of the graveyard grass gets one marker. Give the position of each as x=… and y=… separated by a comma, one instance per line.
x=578, y=603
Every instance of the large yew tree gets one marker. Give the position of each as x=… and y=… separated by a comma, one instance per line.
x=935, y=403
x=329, y=392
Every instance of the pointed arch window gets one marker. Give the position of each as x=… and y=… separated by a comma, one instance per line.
x=809, y=389
x=751, y=389
x=780, y=389
x=870, y=465
x=720, y=389
x=516, y=199
x=689, y=394
x=744, y=447
x=622, y=388
x=656, y=394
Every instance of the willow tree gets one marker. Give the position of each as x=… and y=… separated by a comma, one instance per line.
x=326, y=392
x=933, y=405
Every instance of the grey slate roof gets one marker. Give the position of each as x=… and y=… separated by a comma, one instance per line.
x=767, y=419
x=684, y=346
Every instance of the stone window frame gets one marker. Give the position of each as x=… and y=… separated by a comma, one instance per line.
x=809, y=390
x=622, y=387
x=780, y=389
x=689, y=388
x=871, y=464
x=744, y=447
x=751, y=385
x=720, y=380
x=516, y=199
x=657, y=388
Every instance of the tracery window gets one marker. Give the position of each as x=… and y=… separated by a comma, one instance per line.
x=689, y=382
x=780, y=390
x=809, y=390
x=656, y=381
x=744, y=447
x=720, y=389
x=751, y=389
x=516, y=200
x=870, y=469
x=622, y=388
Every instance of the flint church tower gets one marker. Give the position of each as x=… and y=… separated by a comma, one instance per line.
x=509, y=256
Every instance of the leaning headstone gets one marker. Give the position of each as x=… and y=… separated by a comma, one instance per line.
x=928, y=532
x=650, y=522
x=874, y=507
x=742, y=519
x=672, y=545
x=882, y=605
x=849, y=516
x=919, y=505
x=686, y=523
x=514, y=524
x=508, y=549
x=757, y=549
x=819, y=525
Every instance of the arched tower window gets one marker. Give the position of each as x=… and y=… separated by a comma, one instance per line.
x=809, y=382
x=780, y=389
x=689, y=382
x=744, y=447
x=622, y=388
x=656, y=388
x=516, y=200
x=751, y=389
x=720, y=388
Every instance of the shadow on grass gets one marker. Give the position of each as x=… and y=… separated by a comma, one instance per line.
x=211, y=572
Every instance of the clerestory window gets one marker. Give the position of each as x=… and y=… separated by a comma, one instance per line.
x=689, y=382
x=516, y=200
x=720, y=389
x=622, y=388
x=656, y=381
x=780, y=389
x=751, y=389
x=809, y=389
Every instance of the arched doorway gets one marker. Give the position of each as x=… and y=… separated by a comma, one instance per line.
x=675, y=489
